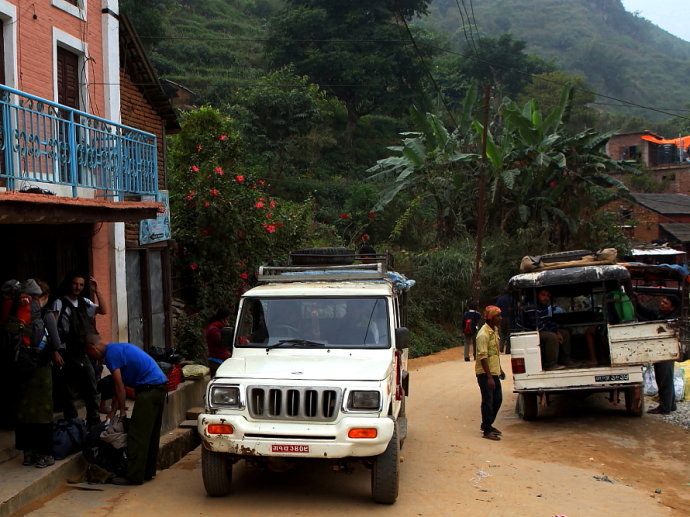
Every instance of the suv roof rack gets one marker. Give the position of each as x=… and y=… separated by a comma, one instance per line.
x=273, y=274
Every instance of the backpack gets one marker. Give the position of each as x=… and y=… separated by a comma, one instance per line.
x=68, y=437
x=468, y=327
x=74, y=323
x=624, y=310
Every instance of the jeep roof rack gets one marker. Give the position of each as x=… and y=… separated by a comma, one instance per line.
x=272, y=274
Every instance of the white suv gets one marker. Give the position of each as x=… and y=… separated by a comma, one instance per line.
x=318, y=371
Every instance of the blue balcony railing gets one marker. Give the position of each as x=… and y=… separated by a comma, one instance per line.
x=46, y=142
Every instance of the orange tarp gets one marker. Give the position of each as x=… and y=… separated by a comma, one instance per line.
x=681, y=142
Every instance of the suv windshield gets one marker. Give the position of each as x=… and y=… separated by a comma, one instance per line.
x=313, y=323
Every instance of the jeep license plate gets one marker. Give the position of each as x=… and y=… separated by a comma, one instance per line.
x=289, y=448
x=610, y=378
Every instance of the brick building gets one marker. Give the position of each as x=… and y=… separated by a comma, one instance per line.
x=82, y=159
x=664, y=216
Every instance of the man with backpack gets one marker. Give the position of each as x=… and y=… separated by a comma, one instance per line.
x=76, y=316
x=470, y=321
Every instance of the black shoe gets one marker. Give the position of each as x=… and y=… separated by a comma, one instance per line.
x=496, y=431
x=29, y=458
x=467, y=359
x=44, y=461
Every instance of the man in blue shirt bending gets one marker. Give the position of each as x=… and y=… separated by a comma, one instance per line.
x=130, y=366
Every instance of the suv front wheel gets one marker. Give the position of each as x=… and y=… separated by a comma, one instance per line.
x=385, y=474
x=216, y=470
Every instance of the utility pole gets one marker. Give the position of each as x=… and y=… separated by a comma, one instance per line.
x=481, y=202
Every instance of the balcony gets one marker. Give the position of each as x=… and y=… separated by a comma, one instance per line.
x=45, y=146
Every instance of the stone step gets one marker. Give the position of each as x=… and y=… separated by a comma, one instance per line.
x=188, y=424
x=193, y=413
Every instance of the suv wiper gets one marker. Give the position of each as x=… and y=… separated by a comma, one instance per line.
x=296, y=343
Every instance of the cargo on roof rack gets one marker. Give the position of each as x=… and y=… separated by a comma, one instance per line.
x=321, y=273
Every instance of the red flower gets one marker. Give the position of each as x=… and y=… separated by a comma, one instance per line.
x=259, y=204
x=552, y=184
x=269, y=215
x=195, y=168
x=206, y=204
x=219, y=171
x=372, y=215
x=244, y=276
x=262, y=199
x=198, y=148
x=365, y=237
x=193, y=267
x=344, y=216
x=239, y=178
x=270, y=228
x=262, y=182
x=214, y=192
x=240, y=234
x=223, y=137
x=273, y=204
x=191, y=194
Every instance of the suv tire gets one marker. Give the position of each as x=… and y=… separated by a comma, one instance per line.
x=216, y=470
x=385, y=473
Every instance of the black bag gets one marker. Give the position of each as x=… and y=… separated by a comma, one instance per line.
x=26, y=359
x=68, y=437
x=107, y=457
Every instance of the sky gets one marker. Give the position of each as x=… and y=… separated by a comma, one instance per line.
x=671, y=15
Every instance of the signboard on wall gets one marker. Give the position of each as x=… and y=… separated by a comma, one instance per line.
x=158, y=229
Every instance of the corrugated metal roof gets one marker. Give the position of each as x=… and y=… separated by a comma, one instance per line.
x=667, y=204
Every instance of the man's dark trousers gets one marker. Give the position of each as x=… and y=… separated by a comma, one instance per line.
x=144, y=433
x=491, y=401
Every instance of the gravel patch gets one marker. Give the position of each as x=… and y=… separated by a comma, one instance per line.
x=679, y=417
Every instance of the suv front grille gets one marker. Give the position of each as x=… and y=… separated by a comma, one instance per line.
x=293, y=403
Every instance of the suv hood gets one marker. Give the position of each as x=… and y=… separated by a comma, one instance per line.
x=337, y=365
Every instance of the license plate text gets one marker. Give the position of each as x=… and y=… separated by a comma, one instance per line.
x=609, y=378
x=289, y=448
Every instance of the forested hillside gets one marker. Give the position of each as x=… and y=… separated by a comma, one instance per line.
x=214, y=46
x=619, y=54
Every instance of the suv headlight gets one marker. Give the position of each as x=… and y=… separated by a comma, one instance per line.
x=226, y=396
x=359, y=400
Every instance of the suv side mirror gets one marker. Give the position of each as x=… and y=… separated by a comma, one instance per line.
x=402, y=338
x=226, y=335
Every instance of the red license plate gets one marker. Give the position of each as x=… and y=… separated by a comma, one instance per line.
x=289, y=448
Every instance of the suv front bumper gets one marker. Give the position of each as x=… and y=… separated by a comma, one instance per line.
x=296, y=439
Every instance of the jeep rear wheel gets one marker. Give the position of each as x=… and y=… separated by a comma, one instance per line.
x=527, y=407
x=216, y=470
x=385, y=474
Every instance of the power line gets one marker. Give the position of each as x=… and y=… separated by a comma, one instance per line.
x=471, y=43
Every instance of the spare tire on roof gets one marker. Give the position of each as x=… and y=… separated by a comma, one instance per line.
x=322, y=256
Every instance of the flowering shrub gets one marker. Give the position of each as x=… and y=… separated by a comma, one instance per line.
x=224, y=222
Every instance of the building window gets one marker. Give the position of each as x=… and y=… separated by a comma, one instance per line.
x=74, y=7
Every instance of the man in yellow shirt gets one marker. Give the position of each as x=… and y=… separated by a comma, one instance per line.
x=489, y=371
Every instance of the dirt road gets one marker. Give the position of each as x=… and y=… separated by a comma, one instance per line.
x=583, y=460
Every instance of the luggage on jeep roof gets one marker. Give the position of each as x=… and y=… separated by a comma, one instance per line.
x=567, y=259
x=322, y=256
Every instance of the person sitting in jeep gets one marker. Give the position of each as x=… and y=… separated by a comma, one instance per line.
x=554, y=342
